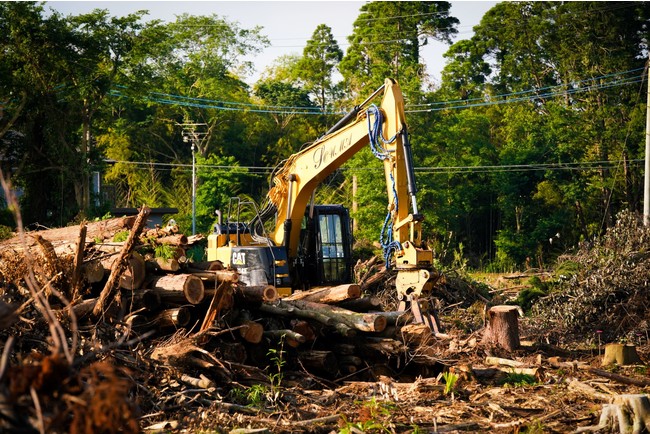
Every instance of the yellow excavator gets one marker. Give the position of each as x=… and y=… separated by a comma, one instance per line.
x=310, y=245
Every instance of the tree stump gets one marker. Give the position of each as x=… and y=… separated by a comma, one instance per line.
x=621, y=354
x=502, y=327
x=627, y=414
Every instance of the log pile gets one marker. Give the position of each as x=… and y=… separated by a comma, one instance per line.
x=197, y=316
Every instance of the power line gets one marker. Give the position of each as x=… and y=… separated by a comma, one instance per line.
x=525, y=95
x=575, y=166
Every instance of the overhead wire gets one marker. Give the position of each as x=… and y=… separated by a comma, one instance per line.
x=499, y=99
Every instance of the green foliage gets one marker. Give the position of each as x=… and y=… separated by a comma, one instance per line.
x=5, y=232
x=196, y=253
x=121, y=236
x=375, y=417
x=276, y=375
x=535, y=129
x=370, y=58
x=527, y=296
x=450, y=382
x=514, y=379
x=317, y=66
x=165, y=251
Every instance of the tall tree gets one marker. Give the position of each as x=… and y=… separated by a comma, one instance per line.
x=561, y=89
x=318, y=64
x=386, y=42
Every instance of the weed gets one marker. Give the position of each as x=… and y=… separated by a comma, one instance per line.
x=276, y=377
x=450, y=382
x=536, y=427
x=371, y=414
x=515, y=379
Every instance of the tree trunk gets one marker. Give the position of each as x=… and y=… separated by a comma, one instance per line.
x=328, y=295
x=133, y=274
x=503, y=327
x=362, y=304
x=367, y=322
x=176, y=317
x=267, y=294
x=178, y=287
x=216, y=276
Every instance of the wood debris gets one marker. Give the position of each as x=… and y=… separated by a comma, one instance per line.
x=171, y=344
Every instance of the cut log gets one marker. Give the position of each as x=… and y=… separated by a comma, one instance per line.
x=222, y=298
x=328, y=295
x=416, y=334
x=170, y=286
x=173, y=240
x=252, y=332
x=284, y=309
x=97, y=230
x=621, y=354
x=362, y=304
x=267, y=294
x=142, y=298
x=502, y=327
x=162, y=265
x=303, y=328
x=291, y=338
x=366, y=322
x=505, y=362
x=93, y=271
x=133, y=274
x=176, y=317
x=216, y=276
x=321, y=360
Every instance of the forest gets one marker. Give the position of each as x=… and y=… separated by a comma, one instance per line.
x=532, y=142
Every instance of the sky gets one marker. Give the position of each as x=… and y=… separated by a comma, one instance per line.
x=287, y=24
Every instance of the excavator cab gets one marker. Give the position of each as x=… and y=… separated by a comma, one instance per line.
x=325, y=248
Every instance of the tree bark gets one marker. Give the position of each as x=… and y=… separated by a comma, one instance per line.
x=621, y=355
x=503, y=327
x=216, y=276
x=176, y=317
x=328, y=295
x=172, y=286
x=77, y=272
x=133, y=274
x=116, y=271
x=367, y=322
x=267, y=294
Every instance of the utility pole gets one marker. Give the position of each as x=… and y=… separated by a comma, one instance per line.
x=646, y=179
x=190, y=135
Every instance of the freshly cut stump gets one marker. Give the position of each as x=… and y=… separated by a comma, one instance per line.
x=502, y=327
x=621, y=354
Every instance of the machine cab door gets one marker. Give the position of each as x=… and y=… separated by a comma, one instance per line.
x=329, y=249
